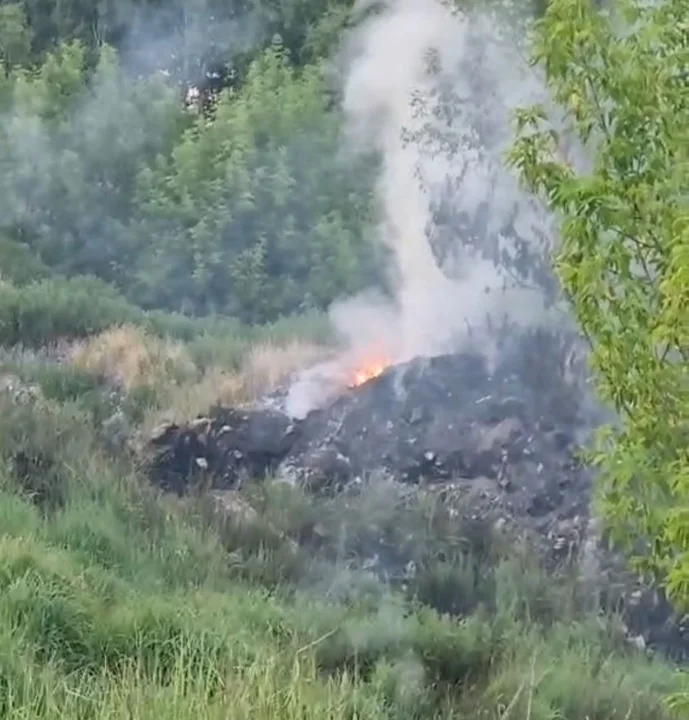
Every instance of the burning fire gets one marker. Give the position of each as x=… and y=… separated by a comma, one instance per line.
x=368, y=372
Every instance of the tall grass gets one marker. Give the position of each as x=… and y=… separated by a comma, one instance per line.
x=116, y=602
x=153, y=378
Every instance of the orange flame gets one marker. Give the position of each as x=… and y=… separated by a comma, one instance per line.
x=368, y=372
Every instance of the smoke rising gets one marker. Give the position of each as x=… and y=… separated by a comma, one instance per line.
x=431, y=92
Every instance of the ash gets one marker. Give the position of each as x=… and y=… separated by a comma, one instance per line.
x=452, y=417
x=442, y=418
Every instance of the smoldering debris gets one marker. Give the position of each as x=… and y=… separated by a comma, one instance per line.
x=428, y=420
x=500, y=440
x=495, y=446
x=230, y=444
x=498, y=443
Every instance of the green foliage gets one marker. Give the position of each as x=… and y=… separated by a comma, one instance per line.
x=43, y=314
x=623, y=259
x=63, y=383
x=15, y=37
x=19, y=265
x=308, y=28
x=56, y=308
x=115, y=602
x=252, y=216
x=42, y=447
x=70, y=153
x=190, y=34
x=248, y=213
x=322, y=37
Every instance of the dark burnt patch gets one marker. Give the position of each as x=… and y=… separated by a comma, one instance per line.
x=496, y=445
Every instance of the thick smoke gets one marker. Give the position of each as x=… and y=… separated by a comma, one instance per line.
x=432, y=92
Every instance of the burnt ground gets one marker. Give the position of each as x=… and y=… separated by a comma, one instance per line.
x=430, y=420
x=499, y=445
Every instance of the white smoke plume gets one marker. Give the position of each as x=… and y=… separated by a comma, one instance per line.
x=393, y=107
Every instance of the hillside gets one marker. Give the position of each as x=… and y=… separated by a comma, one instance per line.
x=119, y=600
x=294, y=370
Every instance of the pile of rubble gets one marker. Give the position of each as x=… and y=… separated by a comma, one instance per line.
x=430, y=419
x=221, y=450
x=504, y=438
x=487, y=442
x=498, y=443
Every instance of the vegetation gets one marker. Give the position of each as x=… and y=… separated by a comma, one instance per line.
x=157, y=257
x=250, y=214
x=118, y=601
x=258, y=214
x=623, y=261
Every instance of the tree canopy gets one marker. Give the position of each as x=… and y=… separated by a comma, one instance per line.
x=259, y=215
x=241, y=209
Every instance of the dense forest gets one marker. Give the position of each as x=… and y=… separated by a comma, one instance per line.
x=232, y=203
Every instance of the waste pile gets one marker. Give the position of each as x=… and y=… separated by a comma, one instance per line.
x=497, y=438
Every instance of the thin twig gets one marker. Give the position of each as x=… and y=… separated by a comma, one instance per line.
x=317, y=641
x=513, y=701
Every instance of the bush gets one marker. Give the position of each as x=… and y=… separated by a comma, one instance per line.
x=252, y=215
x=19, y=265
x=47, y=311
x=43, y=312
x=41, y=443
x=128, y=358
x=62, y=383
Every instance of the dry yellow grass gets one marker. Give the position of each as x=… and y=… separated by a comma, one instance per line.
x=268, y=365
x=128, y=357
x=188, y=400
x=265, y=367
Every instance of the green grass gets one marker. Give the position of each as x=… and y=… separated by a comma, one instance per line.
x=83, y=636
x=46, y=310
x=115, y=602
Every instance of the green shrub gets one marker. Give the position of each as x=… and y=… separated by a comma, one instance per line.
x=42, y=444
x=19, y=265
x=63, y=383
x=49, y=310
x=44, y=312
x=622, y=253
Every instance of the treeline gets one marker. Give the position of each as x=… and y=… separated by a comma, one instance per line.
x=187, y=37
x=244, y=209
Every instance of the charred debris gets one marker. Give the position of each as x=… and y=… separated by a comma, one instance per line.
x=498, y=442
x=428, y=421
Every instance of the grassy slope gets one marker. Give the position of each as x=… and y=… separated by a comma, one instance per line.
x=118, y=603
x=115, y=602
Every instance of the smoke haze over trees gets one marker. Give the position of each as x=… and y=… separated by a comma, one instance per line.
x=250, y=202
x=242, y=209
